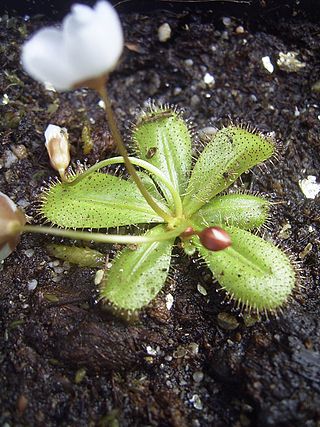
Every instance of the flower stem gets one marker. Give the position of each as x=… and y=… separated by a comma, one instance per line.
x=139, y=162
x=99, y=237
x=123, y=151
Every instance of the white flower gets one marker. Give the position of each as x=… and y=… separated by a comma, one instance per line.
x=11, y=219
x=87, y=47
x=57, y=146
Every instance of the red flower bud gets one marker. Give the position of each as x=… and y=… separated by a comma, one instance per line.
x=11, y=219
x=214, y=238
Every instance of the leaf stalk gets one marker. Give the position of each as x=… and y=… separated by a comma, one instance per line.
x=123, y=151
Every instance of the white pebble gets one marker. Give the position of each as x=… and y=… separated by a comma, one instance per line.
x=102, y=104
x=309, y=186
x=198, y=376
x=226, y=21
x=240, y=29
x=151, y=351
x=32, y=284
x=98, y=277
x=202, y=290
x=188, y=62
x=196, y=401
x=164, y=32
x=169, y=301
x=267, y=64
x=209, y=79
x=5, y=99
x=9, y=158
x=29, y=253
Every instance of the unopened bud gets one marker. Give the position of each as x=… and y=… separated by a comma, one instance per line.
x=214, y=238
x=58, y=148
x=11, y=221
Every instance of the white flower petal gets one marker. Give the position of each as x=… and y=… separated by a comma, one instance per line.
x=88, y=46
x=43, y=57
x=51, y=132
x=94, y=48
x=80, y=14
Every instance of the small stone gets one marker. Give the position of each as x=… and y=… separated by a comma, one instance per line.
x=51, y=297
x=48, y=86
x=238, y=337
x=316, y=87
x=225, y=35
x=202, y=290
x=240, y=29
x=309, y=186
x=98, y=277
x=285, y=231
x=164, y=32
x=23, y=203
x=198, y=376
x=306, y=251
x=266, y=62
x=177, y=91
x=179, y=352
x=20, y=151
x=308, y=343
x=29, y=253
x=207, y=133
x=169, y=301
x=196, y=401
x=250, y=319
x=9, y=159
x=195, y=101
x=32, y=284
x=22, y=404
x=226, y=21
x=227, y=321
x=289, y=63
x=188, y=62
x=209, y=80
x=102, y=104
x=151, y=351
x=194, y=348
x=5, y=99
x=80, y=375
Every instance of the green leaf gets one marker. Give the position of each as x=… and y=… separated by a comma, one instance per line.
x=253, y=271
x=150, y=185
x=84, y=257
x=97, y=201
x=239, y=210
x=138, y=275
x=232, y=151
x=162, y=138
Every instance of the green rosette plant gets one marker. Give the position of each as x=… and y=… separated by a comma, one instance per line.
x=252, y=271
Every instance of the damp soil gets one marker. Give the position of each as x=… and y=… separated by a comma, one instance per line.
x=64, y=361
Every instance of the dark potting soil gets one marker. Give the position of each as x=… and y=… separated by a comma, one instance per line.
x=64, y=361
